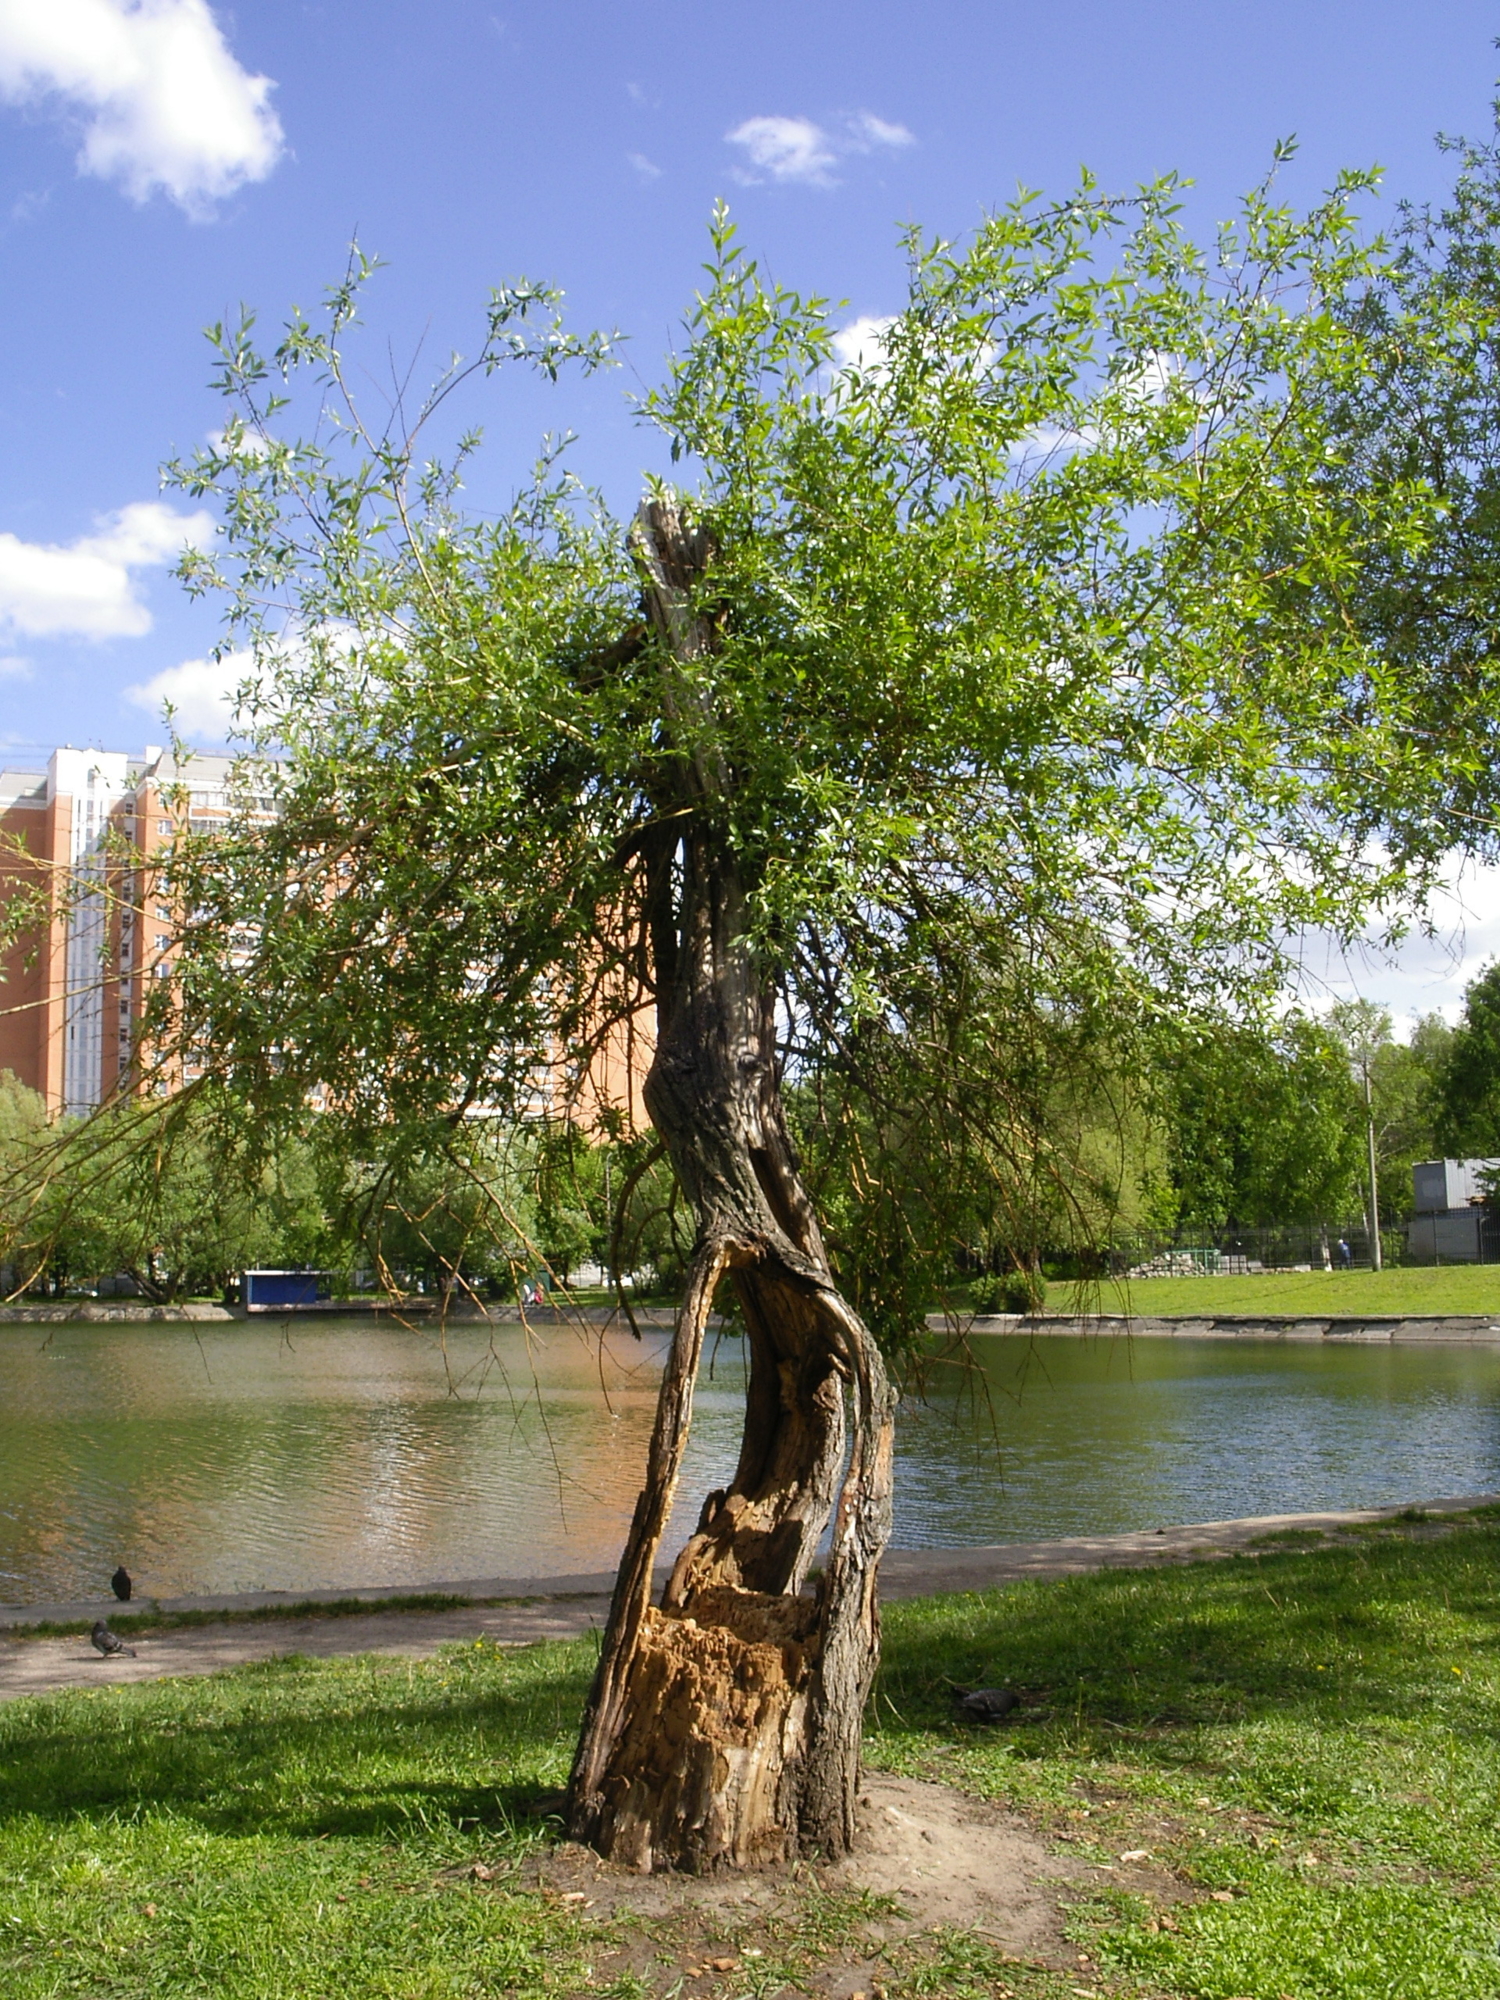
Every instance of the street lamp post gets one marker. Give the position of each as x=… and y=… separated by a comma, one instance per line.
x=1375, y=1258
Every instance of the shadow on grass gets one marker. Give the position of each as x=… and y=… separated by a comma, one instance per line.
x=1326, y=1637
x=1391, y=1629
x=307, y=1748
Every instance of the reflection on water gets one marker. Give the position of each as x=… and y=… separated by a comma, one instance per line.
x=245, y=1456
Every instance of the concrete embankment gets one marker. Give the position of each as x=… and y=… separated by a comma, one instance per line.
x=1464, y=1328
x=136, y=1312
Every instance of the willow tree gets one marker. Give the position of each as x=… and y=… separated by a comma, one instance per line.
x=1011, y=648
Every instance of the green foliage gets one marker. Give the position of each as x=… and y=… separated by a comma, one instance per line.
x=982, y=1131
x=1469, y=1076
x=651, y=1231
x=572, y=1199
x=1406, y=1081
x=452, y=1210
x=1264, y=1126
x=1022, y=1291
x=1033, y=702
x=167, y=1194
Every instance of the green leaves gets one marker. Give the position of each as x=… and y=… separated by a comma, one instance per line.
x=1044, y=642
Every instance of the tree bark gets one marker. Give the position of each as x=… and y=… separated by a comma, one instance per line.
x=723, y=1728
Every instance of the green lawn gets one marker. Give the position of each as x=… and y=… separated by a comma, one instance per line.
x=1312, y=1737
x=1449, y=1288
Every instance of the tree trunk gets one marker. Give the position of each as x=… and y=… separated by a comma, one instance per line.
x=723, y=1728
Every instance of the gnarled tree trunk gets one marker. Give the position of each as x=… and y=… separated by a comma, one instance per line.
x=723, y=1728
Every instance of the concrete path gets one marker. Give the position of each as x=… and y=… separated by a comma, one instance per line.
x=519, y=1611
x=523, y=1611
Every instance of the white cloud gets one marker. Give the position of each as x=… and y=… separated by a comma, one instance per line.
x=786, y=149
x=165, y=105
x=861, y=344
x=1050, y=441
x=14, y=668
x=795, y=149
x=1422, y=974
x=87, y=589
x=647, y=169
x=201, y=693
x=866, y=131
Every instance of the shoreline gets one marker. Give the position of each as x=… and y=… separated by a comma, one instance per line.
x=1369, y=1329
x=393, y=1622
x=203, y=1312
x=903, y=1572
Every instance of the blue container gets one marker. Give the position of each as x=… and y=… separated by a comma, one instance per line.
x=268, y=1291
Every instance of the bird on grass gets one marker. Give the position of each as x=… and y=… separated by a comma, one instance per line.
x=987, y=1704
x=119, y=1583
x=108, y=1643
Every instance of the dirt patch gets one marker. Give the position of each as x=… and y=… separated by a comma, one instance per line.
x=956, y=1862
x=928, y=1860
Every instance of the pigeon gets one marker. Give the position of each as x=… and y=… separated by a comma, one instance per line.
x=105, y=1641
x=119, y=1583
x=988, y=1704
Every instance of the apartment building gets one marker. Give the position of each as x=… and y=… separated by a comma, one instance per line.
x=81, y=843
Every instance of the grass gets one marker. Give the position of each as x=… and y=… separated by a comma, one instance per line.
x=152, y=1618
x=1448, y=1288
x=1304, y=1745
x=1313, y=1736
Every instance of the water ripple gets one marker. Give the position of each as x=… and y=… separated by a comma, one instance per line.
x=241, y=1458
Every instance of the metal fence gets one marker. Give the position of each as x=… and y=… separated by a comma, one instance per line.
x=1457, y=1237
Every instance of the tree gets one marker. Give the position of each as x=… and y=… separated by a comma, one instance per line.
x=1012, y=660
x=23, y=1136
x=1408, y=1107
x=1264, y=1126
x=166, y=1195
x=1469, y=1080
x=458, y=1216
x=1405, y=1092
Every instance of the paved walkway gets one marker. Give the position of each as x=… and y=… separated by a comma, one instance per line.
x=519, y=1611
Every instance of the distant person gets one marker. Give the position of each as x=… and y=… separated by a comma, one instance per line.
x=1345, y=1254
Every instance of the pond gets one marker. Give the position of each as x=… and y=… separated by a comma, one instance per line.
x=322, y=1453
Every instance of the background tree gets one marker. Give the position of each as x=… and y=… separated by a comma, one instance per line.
x=1264, y=1126
x=453, y=1215
x=1468, y=1123
x=1405, y=1089
x=1014, y=661
x=24, y=1245
x=166, y=1196
x=1408, y=1100
x=1031, y=1139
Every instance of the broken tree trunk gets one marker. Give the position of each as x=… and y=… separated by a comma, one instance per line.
x=723, y=1728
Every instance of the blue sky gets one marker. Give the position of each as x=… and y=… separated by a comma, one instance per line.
x=162, y=162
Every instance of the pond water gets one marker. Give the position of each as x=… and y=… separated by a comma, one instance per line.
x=334, y=1452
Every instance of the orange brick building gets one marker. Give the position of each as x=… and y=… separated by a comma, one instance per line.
x=79, y=842
x=82, y=840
